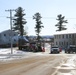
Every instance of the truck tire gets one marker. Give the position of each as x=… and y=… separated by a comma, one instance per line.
x=20, y=48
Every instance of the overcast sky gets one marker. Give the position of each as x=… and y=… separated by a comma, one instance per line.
x=49, y=9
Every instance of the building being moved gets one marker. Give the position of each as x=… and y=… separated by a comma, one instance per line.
x=65, y=38
x=6, y=36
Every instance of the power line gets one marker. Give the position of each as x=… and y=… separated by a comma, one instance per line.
x=45, y=17
x=50, y=18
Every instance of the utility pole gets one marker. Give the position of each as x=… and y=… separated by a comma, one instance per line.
x=11, y=26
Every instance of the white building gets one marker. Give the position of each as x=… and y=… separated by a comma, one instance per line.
x=65, y=38
x=5, y=37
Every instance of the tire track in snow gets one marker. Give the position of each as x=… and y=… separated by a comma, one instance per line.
x=67, y=68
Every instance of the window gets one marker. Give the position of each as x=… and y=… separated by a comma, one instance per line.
x=56, y=43
x=4, y=34
x=9, y=34
x=67, y=36
x=59, y=36
x=14, y=34
x=55, y=36
x=14, y=39
x=59, y=43
x=62, y=36
x=67, y=43
x=9, y=40
x=72, y=35
x=62, y=43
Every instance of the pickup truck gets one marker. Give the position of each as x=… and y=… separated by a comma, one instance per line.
x=55, y=50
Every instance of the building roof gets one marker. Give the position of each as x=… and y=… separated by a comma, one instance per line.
x=72, y=31
x=8, y=31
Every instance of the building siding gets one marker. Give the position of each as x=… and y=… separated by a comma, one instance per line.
x=5, y=37
x=63, y=40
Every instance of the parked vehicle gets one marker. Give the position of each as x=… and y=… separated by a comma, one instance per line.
x=22, y=43
x=55, y=50
x=71, y=49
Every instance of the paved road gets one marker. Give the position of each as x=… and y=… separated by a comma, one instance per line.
x=46, y=64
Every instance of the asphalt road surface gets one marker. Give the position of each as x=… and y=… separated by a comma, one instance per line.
x=46, y=64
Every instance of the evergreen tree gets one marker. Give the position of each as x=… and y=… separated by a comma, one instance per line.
x=19, y=21
x=38, y=26
x=60, y=25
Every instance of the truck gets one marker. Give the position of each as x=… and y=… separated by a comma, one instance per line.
x=55, y=49
x=71, y=49
x=23, y=43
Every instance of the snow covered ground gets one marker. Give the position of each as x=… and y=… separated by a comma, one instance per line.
x=5, y=54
